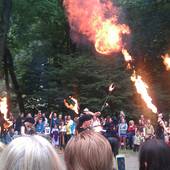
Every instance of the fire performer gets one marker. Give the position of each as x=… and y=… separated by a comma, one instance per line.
x=160, y=127
x=85, y=122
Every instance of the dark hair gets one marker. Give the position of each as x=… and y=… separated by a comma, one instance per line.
x=154, y=155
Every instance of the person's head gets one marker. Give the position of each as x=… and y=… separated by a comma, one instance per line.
x=88, y=151
x=30, y=152
x=60, y=116
x=148, y=122
x=85, y=121
x=69, y=117
x=54, y=114
x=154, y=155
x=122, y=114
x=142, y=117
x=131, y=123
x=140, y=122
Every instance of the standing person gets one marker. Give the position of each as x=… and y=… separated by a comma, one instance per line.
x=142, y=118
x=137, y=141
x=140, y=127
x=40, y=126
x=62, y=135
x=61, y=130
x=111, y=135
x=69, y=128
x=160, y=127
x=18, y=123
x=53, y=119
x=121, y=116
x=28, y=127
x=44, y=119
x=131, y=133
x=96, y=124
x=55, y=136
x=122, y=131
x=149, y=130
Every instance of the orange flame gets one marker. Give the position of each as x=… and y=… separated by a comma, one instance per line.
x=127, y=58
x=4, y=110
x=141, y=88
x=98, y=21
x=166, y=61
x=4, y=107
x=74, y=107
x=108, y=37
x=126, y=55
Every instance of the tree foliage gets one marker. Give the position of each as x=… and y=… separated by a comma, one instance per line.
x=49, y=66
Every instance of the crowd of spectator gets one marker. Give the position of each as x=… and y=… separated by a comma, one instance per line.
x=89, y=136
x=59, y=129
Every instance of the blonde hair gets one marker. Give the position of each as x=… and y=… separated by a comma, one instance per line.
x=30, y=153
x=88, y=151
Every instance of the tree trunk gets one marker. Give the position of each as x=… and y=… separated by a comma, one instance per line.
x=4, y=27
x=14, y=81
x=6, y=74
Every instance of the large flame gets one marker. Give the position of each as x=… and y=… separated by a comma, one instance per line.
x=4, y=110
x=73, y=105
x=166, y=61
x=4, y=107
x=98, y=21
x=141, y=88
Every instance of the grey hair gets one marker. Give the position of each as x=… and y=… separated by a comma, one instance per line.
x=2, y=146
x=30, y=153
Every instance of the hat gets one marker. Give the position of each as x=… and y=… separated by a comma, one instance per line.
x=84, y=118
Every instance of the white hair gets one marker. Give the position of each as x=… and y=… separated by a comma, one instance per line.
x=2, y=146
x=30, y=153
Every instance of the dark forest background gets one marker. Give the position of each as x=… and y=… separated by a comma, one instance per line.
x=40, y=65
